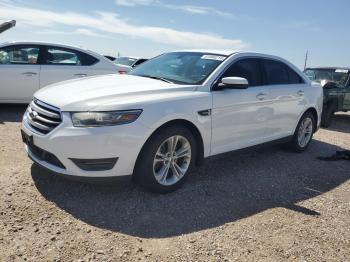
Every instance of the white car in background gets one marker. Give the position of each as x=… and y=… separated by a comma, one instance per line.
x=128, y=63
x=165, y=116
x=25, y=67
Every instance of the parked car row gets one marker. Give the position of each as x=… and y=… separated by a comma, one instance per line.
x=163, y=118
x=25, y=67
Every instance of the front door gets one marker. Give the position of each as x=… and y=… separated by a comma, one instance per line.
x=19, y=73
x=239, y=115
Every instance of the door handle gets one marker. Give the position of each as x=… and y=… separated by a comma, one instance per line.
x=261, y=96
x=29, y=73
x=80, y=75
x=300, y=93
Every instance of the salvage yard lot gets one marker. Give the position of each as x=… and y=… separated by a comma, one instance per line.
x=269, y=204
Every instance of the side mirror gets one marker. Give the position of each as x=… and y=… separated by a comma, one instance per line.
x=233, y=83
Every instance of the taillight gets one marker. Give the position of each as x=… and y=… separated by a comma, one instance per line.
x=121, y=72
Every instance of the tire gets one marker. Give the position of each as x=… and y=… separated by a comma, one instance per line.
x=155, y=157
x=296, y=142
x=327, y=115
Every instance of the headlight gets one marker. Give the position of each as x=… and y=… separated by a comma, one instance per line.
x=96, y=119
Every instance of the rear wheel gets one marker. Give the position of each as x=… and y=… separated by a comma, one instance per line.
x=166, y=159
x=303, y=133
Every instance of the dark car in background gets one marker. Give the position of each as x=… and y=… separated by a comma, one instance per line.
x=336, y=86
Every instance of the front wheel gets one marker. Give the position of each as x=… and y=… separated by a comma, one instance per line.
x=166, y=159
x=303, y=133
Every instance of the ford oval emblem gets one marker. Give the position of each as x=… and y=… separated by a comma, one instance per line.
x=33, y=114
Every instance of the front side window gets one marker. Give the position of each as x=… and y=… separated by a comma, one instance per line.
x=246, y=68
x=58, y=56
x=19, y=55
x=276, y=72
x=180, y=67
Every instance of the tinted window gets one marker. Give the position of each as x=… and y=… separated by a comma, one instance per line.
x=58, y=56
x=87, y=60
x=294, y=78
x=276, y=72
x=248, y=69
x=138, y=62
x=19, y=55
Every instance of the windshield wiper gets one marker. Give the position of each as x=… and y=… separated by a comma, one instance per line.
x=158, y=78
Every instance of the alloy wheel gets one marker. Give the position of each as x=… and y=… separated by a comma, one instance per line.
x=305, y=132
x=172, y=160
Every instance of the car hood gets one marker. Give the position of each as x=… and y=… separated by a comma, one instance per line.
x=107, y=92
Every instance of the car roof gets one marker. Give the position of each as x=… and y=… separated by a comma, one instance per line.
x=132, y=57
x=47, y=43
x=82, y=49
x=209, y=51
x=329, y=68
x=233, y=52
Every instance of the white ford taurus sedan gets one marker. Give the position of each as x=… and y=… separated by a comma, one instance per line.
x=168, y=114
x=25, y=67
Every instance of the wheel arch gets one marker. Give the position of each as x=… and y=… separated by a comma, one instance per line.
x=182, y=122
x=313, y=111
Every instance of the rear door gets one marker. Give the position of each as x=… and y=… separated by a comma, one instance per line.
x=19, y=73
x=287, y=93
x=62, y=64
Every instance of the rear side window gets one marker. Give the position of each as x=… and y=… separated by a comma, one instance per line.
x=276, y=72
x=65, y=56
x=19, y=55
x=294, y=78
x=60, y=56
x=88, y=60
x=247, y=68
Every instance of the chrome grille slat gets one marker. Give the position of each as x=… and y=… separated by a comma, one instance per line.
x=42, y=118
x=45, y=119
x=42, y=111
x=38, y=125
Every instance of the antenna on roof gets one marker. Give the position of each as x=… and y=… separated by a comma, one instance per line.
x=306, y=57
x=7, y=25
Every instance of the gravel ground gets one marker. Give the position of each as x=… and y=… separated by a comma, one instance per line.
x=269, y=205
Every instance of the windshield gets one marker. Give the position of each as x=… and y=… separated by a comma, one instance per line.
x=180, y=67
x=125, y=61
x=339, y=76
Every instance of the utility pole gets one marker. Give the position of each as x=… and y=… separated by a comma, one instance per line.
x=306, y=57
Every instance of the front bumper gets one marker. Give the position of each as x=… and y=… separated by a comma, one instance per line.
x=68, y=144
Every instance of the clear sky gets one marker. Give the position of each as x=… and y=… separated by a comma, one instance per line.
x=149, y=27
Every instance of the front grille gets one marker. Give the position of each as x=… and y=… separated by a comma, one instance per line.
x=42, y=117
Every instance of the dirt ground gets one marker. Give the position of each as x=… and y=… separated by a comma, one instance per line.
x=266, y=205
